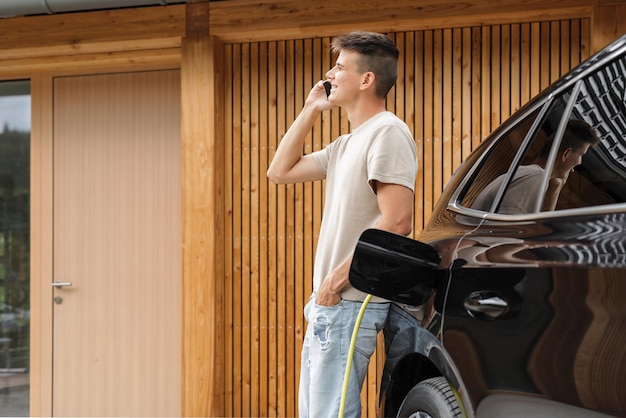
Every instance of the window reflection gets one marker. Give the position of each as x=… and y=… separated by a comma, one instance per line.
x=14, y=247
x=591, y=173
x=498, y=161
x=602, y=103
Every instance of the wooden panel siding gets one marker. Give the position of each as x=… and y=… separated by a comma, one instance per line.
x=455, y=85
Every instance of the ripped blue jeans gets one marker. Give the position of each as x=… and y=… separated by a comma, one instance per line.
x=325, y=351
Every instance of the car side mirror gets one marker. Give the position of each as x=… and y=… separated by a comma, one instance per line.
x=394, y=267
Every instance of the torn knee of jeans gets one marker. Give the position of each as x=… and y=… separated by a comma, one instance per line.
x=321, y=330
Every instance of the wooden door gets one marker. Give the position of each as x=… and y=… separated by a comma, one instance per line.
x=117, y=240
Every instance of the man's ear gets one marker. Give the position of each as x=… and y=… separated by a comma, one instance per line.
x=368, y=80
x=566, y=152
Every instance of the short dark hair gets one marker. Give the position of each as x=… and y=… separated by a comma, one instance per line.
x=577, y=134
x=378, y=54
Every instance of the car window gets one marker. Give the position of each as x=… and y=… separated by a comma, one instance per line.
x=497, y=163
x=543, y=164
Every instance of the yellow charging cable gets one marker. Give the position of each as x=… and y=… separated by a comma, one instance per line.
x=346, y=376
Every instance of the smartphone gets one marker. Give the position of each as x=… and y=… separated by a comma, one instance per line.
x=327, y=87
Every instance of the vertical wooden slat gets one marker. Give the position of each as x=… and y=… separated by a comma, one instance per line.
x=585, y=41
x=525, y=63
x=272, y=274
x=417, y=91
x=313, y=74
x=395, y=99
x=554, y=53
x=408, y=64
x=496, y=79
x=477, y=83
x=254, y=172
x=522, y=68
x=413, y=65
x=514, y=103
x=535, y=58
x=545, y=72
x=505, y=73
x=326, y=120
x=485, y=83
x=448, y=108
x=575, y=51
x=565, y=39
x=291, y=360
x=265, y=375
x=456, y=93
x=295, y=308
x=305, y=76
x=437, y=116
x=246, y=224
x=428, y=149
x=237, y=234
x=229, y=236
x=466, y=92
x=282, y=301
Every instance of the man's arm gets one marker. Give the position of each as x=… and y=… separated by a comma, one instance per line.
x=289, y=164
x=396, y=206
x=555, y=185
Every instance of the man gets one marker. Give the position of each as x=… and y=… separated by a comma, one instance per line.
x=370, y=177
x=521, y=195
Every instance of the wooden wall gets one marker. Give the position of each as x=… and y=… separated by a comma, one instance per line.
x=455, y=86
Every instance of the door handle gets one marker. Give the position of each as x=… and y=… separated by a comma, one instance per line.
x=61, y=284
x=485, y=305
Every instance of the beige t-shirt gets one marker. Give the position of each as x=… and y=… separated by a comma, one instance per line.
x=521, y=195
x=380, y=149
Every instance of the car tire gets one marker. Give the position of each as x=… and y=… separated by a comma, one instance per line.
x=432, y=398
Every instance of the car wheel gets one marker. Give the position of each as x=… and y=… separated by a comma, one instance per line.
x=432, y=398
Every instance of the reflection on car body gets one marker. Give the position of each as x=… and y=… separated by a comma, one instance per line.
x=529, y=309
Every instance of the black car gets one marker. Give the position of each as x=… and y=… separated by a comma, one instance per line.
x=516, y=314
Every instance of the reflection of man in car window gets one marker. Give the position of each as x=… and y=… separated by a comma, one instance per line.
x=522, y=194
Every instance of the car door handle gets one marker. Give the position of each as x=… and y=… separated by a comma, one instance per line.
x=61, y=284
x=485, y=304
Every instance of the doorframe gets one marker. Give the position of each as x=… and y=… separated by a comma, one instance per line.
x=41, y=245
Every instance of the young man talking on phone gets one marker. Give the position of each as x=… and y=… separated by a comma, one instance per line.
x=370, y=178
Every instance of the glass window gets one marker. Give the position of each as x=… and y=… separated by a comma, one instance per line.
x=14, y=247
x=568, y=154
x=527, y=188
x=494, y=168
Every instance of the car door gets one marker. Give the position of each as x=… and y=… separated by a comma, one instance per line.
x=533, y=299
